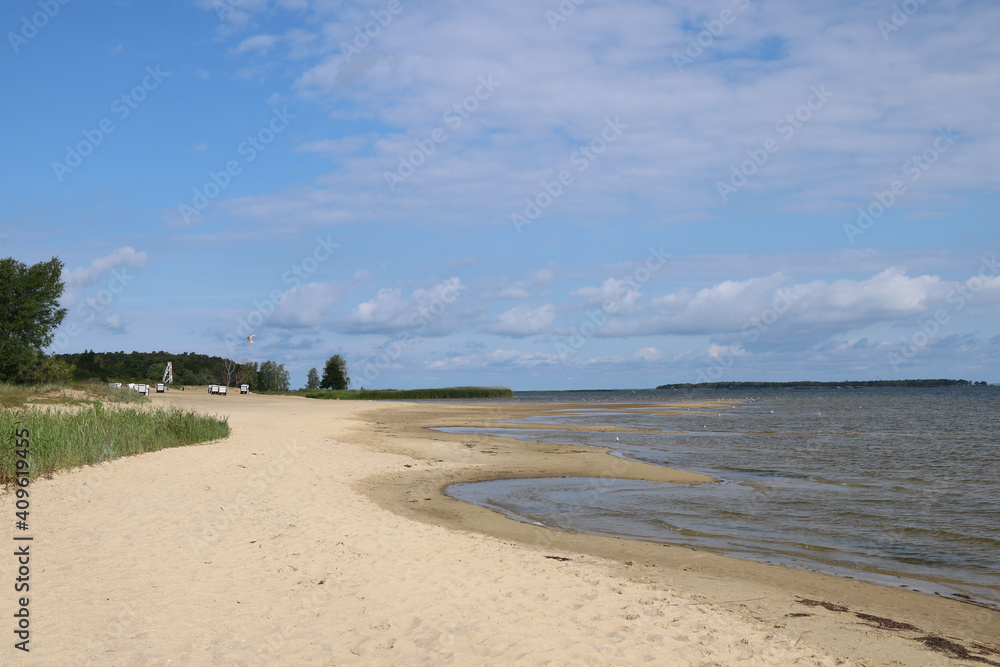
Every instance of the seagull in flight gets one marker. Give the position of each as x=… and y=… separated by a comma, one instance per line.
x=250, y=338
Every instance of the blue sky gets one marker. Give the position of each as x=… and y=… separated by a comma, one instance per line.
x=537, y=195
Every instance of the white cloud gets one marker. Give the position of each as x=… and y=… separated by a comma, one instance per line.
x=779, y=308
x=113, y=324
x=715, y=351
x=77, y=280
x=260, y=43
x=524, y=289
x=497, y=359
x=308, y=304
x=726, y=306
x=614, y=295
x=889, y=295
x=85, y=276
x=886, y=103
x=649, y=354
x=523, y=320
x=519, y=358
x=425, y=311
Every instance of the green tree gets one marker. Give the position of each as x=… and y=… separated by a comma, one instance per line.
x=312, y=379
x=272, y=376
x=54, y=371
x=186, y=377
x=247, y=374
x=29, y=313
x=154, y=373
x=335, y=374
x=88, y=365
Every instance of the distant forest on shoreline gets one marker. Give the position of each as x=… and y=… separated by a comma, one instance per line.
x=200, y=369
x=808, y=384
x=190, y=368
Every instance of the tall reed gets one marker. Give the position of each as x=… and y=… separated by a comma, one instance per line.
x=61, y=439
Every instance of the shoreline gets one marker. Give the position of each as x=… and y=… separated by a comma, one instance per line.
x=774, y=593
x=318, y=533
x=927, y=583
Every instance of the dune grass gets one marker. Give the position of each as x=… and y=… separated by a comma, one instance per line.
x=16, y=396
x=408, y=394
x=116, y=395
x=61, y=439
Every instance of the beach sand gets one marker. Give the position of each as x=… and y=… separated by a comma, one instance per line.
x=318, y=534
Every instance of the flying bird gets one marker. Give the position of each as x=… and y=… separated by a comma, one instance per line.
x=250, y=338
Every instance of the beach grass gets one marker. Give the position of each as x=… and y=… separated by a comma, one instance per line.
x=61, y=439
x=16, y=395
x=407, y=394
x=116, y=394
x=79, y=393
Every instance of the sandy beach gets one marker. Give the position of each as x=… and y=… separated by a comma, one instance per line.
x=318, y=534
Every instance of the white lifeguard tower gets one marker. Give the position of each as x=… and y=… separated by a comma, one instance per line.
x=168, y=375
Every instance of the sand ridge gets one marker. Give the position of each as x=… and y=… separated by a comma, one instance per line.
x=294, y=541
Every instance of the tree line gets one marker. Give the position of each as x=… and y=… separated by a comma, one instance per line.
x=189, y=368
x=30, y=314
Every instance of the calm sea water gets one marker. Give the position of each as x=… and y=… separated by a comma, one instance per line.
x=896, y=486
